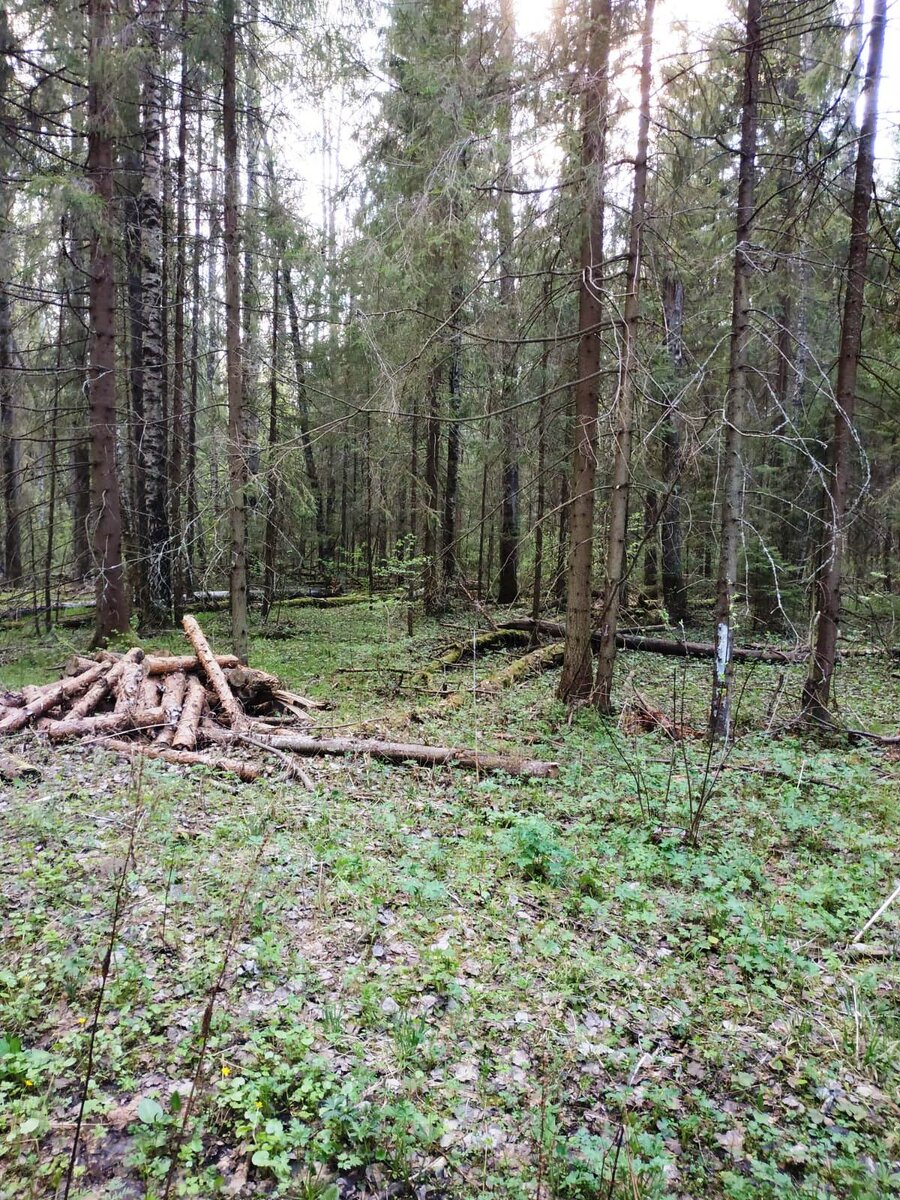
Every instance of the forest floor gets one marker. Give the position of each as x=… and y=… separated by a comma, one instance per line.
x=437, y=985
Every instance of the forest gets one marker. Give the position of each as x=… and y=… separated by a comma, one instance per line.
x=449, y=599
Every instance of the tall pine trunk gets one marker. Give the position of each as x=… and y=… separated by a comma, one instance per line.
x=736, y=399
x=111, y=612
x=817, y=689
x=624, y=407
x=577, y=674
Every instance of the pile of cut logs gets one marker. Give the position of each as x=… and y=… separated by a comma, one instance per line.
x=166, y=706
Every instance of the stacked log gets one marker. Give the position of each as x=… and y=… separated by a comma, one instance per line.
x=171, y=707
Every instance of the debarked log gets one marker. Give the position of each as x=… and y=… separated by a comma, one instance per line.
x=185, y=737
x=18, y=718
x=402, y=752
x=114, y=722
x=244, y=770
x=214, y=672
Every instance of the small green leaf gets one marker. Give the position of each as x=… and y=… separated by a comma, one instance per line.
x=261, y=1158
x=150, y=1110
x=30, y=1125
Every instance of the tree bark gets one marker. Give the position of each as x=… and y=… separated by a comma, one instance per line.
x=237, y=448
x=309, y=459
x=736, y=398
x=508, y=587
x=214, y=672
x=817, y=689
x=11, y=564
x=154, y=443
x=577, y=675
x=111, y=612
x=178, y=555
x=401, y=752
x=673, y=586
x=433, y=593
x=449, y=557
x=624, y=407
x=270, y=546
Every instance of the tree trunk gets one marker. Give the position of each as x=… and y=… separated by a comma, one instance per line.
x=179, y=409
x=449, y=559
x=538, y=580
x=624, y=408
x=309, y=458
x=508, y=589
x=674, y=592
x=192, y=523
x=817, y=689
x=111, y=612
x=9, y=446
x=136, y=493
x=432, y=597
x=11, y=564
x=736, y=399
x=270, y=549
x=154, y=444
x=237, y=450
x=577, y=676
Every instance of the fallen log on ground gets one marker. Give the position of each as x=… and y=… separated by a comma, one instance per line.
x=502, y=638
x=18, y=718
x=172, y=703
x=236, y=766
x=542, y=659
x=12, y=767
x=400, y=752
x=214, y=672
x=119, y=696
x=114, y=722
x=185, y=736
x=654, y=645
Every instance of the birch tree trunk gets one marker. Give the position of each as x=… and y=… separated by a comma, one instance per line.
x=736, y=399
x=577, y=673
x=111, y=611
x=817, y=689
x=624, y=408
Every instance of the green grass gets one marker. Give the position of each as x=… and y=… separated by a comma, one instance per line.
x=459, y=987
